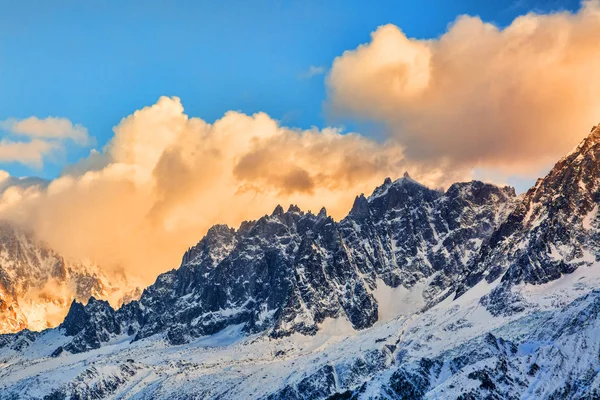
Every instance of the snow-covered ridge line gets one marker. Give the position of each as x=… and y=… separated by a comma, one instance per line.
x=454, y=349
x=486, y=295
x=552, y=231
x=289, y=271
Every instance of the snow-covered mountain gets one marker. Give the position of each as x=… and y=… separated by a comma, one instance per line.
x=37, y=285
x=470, y=293
x=287, y=272
x=552, y=232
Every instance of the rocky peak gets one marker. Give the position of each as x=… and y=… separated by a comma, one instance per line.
x=30, y=272
x=322, y=213
x=76, y=319
x=571, y=189
x=245, y=227
x=29, y=263
x=589, y=141
x=388, y=183
x=479, y=192
x=218, y=241
x=294, y=209
x=404, y=193
x=360, y=208
x=80, y=316
x=552, y=231
x=219, y=236
x=95, y=323
x=278, y=211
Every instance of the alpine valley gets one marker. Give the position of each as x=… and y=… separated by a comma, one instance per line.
x=468, y=293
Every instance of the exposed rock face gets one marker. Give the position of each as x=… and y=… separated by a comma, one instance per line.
x=96, y=323
x=452, y=351
x=289, y=271
x=405, y=232
x=551, y=232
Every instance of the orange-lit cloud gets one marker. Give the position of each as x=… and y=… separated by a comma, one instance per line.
x=165, y=178
x=511, y=99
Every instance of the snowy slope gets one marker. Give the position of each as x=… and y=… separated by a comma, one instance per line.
x=453, y=349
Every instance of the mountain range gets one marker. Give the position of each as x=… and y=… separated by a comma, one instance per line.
x=468, y=293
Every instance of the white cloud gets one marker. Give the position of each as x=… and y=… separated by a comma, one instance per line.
x=30, y=153
x=48, y=128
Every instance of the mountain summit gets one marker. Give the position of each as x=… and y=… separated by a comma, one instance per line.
x=551, y=232
x=289, y=271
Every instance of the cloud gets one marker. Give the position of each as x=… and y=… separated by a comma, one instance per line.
x=313, y=71
x=45, y=137
x=510, y=100
x=48, y=128
x=30, y=153
x=165, y=178
x=7, y=181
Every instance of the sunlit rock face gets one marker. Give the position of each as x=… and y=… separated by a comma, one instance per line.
x=37, y=285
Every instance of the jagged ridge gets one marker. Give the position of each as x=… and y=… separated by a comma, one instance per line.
x=552, y=231
x=289, y=271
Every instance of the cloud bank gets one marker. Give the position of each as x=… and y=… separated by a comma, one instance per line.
x=511, y=100
x=165, y=178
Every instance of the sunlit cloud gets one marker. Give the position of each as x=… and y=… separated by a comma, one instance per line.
x=478, y=101
x=48, y=128
x=31, y=153
x=165, y=178
x=510, y=100
x=31, y=140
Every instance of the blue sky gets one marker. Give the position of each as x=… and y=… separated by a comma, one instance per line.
x=95, y=62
